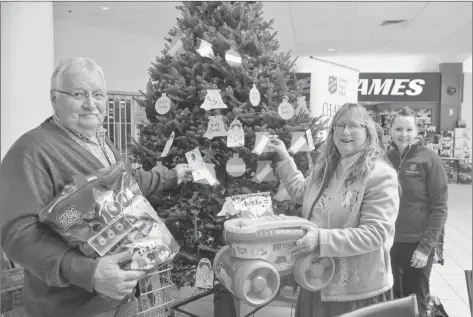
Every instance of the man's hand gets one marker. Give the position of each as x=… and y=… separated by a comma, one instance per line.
x=310, y=241
x=112, y=281
x=279, y=147
x=419, y=259
x=184, y=173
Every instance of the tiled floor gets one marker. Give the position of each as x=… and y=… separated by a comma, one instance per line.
x=447, y=281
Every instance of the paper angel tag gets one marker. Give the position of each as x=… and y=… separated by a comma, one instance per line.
x=163, y=104
x=310, y=139
x=236, y=167
x=204, y=276
x=309, y=160
x=301, y=105
x=255, y=96
x=196, y=163
x=282, y=194
x=261, y=143
x=215, y=128
x=298, y=142
x=264, y=172
x=236, y=134
x=286, y=110
x=176, y=47
x=168, y=145
x=213, y=100
x=210, y=176
x=205, y=49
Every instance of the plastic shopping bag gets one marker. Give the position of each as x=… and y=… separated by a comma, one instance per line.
x=106, y=213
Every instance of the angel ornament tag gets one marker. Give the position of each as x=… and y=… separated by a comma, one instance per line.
x=196, y=163
x=216, y=127
x=264, y=172
x=236, y=167
x=168, y=145
x=286, y=110
x=255, y=96
x=301, y=105
x=310, y=139
x=213, y=100
x=261, y=142
x=163, y=104
x=298, y=143
x=236, y=134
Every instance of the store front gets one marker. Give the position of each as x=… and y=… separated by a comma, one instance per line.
x=385, y=93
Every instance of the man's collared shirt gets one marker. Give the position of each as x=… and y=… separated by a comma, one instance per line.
x=100, y=150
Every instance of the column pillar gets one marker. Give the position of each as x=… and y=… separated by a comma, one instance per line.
x=27, y=50
x=451, y=95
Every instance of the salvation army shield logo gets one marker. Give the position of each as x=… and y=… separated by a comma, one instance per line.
x=332, y=84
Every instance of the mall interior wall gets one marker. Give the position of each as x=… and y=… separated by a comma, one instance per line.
x=27, y=50
x=124, y=57
x=467, y=102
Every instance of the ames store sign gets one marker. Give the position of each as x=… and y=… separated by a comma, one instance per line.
x=399, y=87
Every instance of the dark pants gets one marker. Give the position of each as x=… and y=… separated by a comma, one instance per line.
x=409, y=280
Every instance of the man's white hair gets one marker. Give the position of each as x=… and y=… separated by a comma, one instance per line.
x=82, y=63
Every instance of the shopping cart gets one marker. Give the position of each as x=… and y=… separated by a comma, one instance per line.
x=12, y=288
x=154, y=300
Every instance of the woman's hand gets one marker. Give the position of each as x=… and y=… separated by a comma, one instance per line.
x=419, y=259
x=183, y=173
x=280, y=148
x=310, y=241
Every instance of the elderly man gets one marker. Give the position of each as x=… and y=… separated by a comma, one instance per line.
x=60, y=281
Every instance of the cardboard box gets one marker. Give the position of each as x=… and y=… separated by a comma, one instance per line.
x=461, y=133
x=464, y=178
x=465, y=168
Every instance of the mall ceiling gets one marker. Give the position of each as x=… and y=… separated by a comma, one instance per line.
x=441, y=29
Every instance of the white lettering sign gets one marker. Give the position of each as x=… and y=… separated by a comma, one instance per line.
x=391, y=87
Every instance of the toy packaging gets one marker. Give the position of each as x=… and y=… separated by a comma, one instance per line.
x=248, y=206
x=105, y=213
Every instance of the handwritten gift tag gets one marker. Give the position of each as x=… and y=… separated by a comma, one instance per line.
x=213, y=100
x=309, y=160
x=261, y=142
x=197, y=164
x=264, y=172
x=168, y=145
x=236, y=134
x=286, y=110
x=210, y=177
x=310, y=139
x=163, y=104
x=236, y=167
x=255, y=96
x=298, y=142
x=176, y=47
x=301, y=106
x=216, y=127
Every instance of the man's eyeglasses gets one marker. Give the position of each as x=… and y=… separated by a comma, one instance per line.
x=80, y=95
x=351, y=126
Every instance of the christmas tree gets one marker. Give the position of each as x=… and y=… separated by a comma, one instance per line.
x=230, y=48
